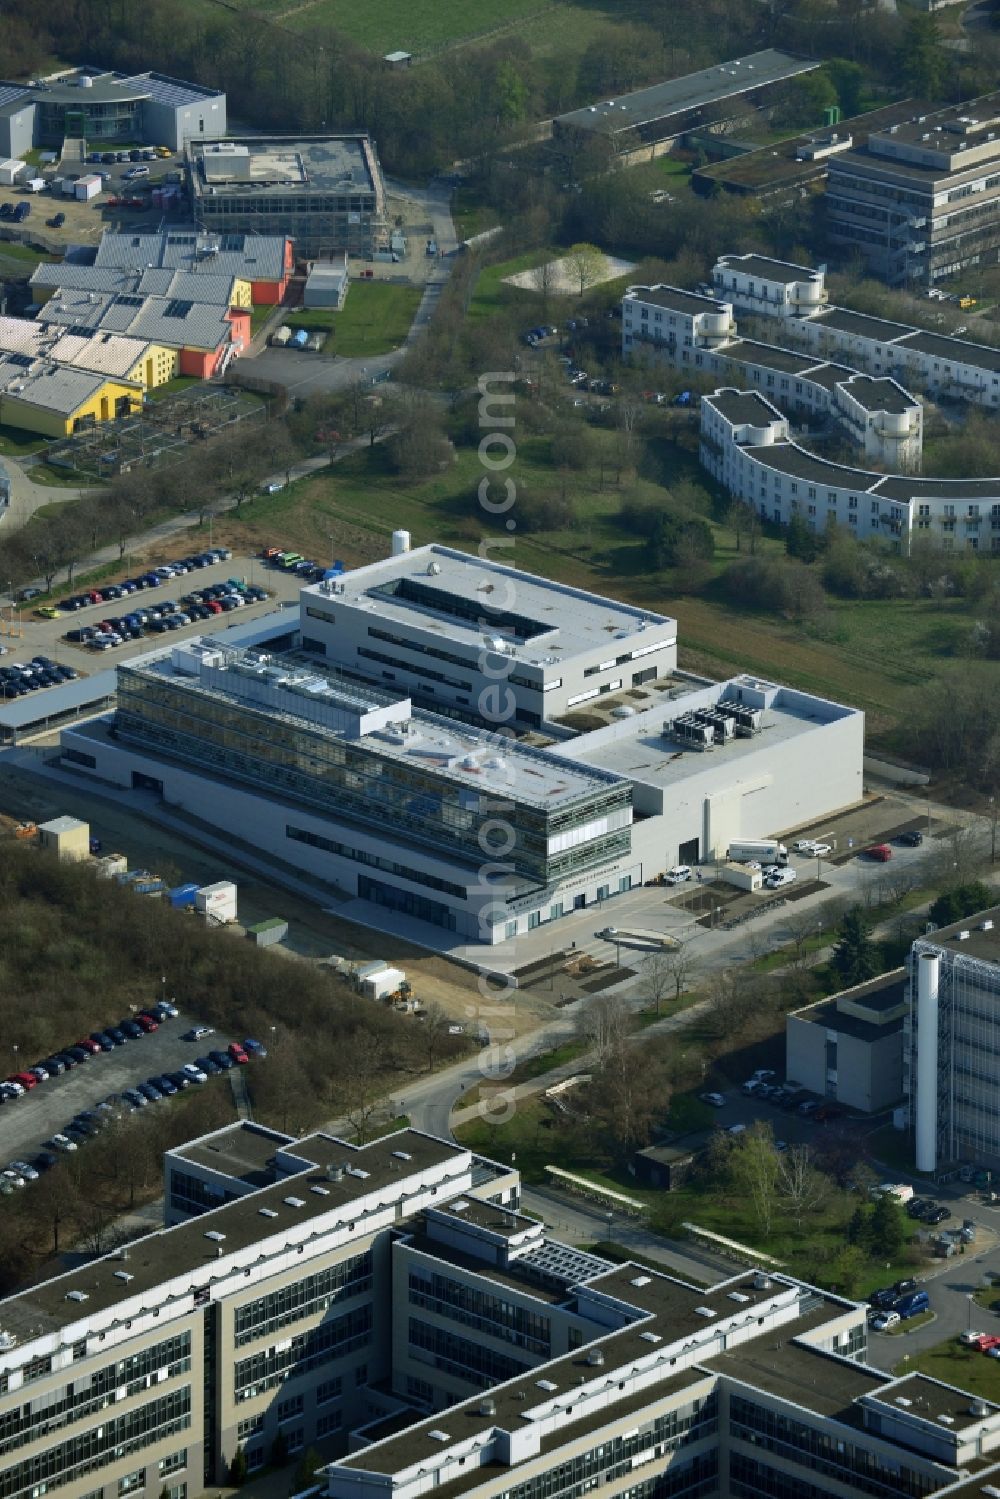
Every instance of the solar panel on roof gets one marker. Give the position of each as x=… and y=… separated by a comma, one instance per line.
x=131, y=301
x=233, y=242
x=176, y=307
x=24, y=361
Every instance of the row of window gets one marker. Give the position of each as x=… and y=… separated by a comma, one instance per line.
x=304, y=1298
x=865, y=1470
x=296, y=1356
x=482, y=1310
x=22, y=1424
x=190, y=1194
x=375, y=861
x=86, y=1451
x=457, y=1356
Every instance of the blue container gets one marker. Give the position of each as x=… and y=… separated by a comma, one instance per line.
x=183, y=896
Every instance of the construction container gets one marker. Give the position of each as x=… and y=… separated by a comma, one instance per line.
x=87, y=188
x=149, y=884
x=267, y=933
x=281, y=337
x=10, y=172
x=317, y=342
x=68, y=188
x=110, y=866
x=742, y=877
x=376, y=980
x=217, y=903
x=35, y=184
x=183, y=895
x=300, y=338
x=66, y=836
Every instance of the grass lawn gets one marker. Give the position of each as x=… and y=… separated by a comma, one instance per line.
x=410, y=25
x=259, y=316
x=375, y=319
x=470, y=214
x=491, y=291
x=171, y=387
x=59, y=478
x=15, y=440
x=955, y=1365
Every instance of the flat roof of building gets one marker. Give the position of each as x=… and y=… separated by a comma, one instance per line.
x=244, y=1150
x=638, y=749
x=983, y=941
x=448, y=748
x=743, y=407
x=878, y=395
x=768, y=356
x=792, y=1371
x=173, y=1253
x=764, y=268
x=450, y=593
x=831, y=1018
x=845, y=321
x=953, y=350
x=778, y=164
x=789, y=458
x=674, y=298
x=901, y=487
x=285, y=165
x=676, y=96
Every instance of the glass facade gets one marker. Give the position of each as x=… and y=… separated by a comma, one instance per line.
x=457, y=1356
x=295, y=1356
x=794, y=1442
x=303, y=1299
x=71, y=1402
x=291, y=757
x=87, y=1451
x=483, y=1310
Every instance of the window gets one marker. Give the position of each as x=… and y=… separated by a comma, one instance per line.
x=361, y=1375
x=296, y=1439
x=293, y=1406
x=329, y=1390
x=132, y=1481
x=534, y=920
x=172, y=1464
x=333, y=1421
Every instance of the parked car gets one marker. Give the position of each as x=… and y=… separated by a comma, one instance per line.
x=194, y=1072
x=222, y=1059
x=912, y=838
x=935, y=1214
x=60, y=1143
x=882, y=1321
x=714, y=1100
x=238, y=1053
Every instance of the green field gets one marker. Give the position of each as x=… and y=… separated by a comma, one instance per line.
x=418, y=26
x=375, y=319
x=15, y=440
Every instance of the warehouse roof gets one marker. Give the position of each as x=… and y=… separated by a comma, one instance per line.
x=201, y=285
x=173, y=321
x=252, y=257
x=692, y=91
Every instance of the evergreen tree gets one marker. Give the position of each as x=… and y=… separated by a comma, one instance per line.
x=238, y=1469
x=963, y=900
x=855, y=956
x=799, y=539
x=886, y=1228
x=859, y=1230
x=279, y=1450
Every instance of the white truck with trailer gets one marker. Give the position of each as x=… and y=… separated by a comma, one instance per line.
x=761, y=850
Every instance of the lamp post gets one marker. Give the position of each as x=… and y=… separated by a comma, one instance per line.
x=971, y=1301
x=611, y=1225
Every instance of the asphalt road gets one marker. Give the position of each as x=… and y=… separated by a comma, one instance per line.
x=25, y=1123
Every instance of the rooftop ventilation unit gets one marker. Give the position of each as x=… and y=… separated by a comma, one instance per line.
x=979, y=1408
x=402, y=1155
x=77, y=1296
x=641, y=1280
x=651, y=1337
x=438, y=1436
x=595, y=1358
x=546, y=1384
x=761, y=1282
x=294, y=1202
x=986, y=926
x=320, y=1191
x=267, y=1212
x=737, y=1296
x=963, y=936
x=705, y=1311
x=487, y=1407
x=214, y=1235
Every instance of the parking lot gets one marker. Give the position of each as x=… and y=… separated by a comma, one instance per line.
x=84, y=222
x=26, y=1122
x=40, y=636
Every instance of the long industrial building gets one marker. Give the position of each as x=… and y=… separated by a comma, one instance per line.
x=392, y=1306
x=475, y=748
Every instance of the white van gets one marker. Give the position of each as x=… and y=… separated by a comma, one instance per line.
x=778, y=878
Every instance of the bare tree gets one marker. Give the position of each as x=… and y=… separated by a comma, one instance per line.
x=802, y=1187
x=543, y=281
x=670, y=970
x=362, y=1085
x=604, y=1024
x=433, y=1029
